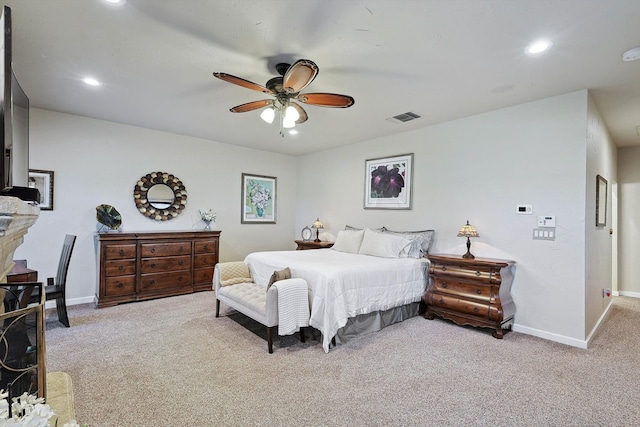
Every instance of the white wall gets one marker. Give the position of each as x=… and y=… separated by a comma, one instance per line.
x=601, y=160
x=629, y=227
x=97, y=162
x=479, y=168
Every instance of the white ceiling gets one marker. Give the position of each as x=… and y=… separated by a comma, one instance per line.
x=441, y=59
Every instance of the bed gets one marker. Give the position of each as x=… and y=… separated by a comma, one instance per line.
x=368, y=280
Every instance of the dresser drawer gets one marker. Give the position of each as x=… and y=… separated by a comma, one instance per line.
x=204, y=260
x=477, y=274
x=205, y=246
x=120, y=251
x=148, y=250
x=203, y=275
x=457, y=288
x=151, y=282
x=157, y=265
x=120, y=267
x=458, y=305
x=122, y=285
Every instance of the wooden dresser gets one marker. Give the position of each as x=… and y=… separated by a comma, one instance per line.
x=474, y=292
x=144, y=265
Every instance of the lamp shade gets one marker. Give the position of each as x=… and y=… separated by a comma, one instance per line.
x=468, y=230
x=317, y=224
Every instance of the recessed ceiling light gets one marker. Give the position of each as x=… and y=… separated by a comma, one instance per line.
x=538, y=46
x=293, y=132
x=91, y=81
x=631, y=54
x=115, y=1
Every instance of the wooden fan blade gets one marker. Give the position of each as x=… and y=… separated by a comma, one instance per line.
x=299, y=75
x=250, y=106
x=326, y=100
x=303, y=114
x=242, y=82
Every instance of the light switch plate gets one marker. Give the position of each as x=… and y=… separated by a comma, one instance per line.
x=544, y=233
x=524, y=209
x=546, y=221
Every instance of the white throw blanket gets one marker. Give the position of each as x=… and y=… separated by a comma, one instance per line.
x=293, y=305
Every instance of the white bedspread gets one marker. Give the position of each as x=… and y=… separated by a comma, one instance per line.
x=344, y=285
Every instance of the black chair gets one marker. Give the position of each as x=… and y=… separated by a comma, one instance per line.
x=56, y=289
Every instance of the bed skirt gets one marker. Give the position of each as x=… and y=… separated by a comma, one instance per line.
x=373, y=322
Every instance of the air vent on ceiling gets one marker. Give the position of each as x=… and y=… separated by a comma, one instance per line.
x=404, y=117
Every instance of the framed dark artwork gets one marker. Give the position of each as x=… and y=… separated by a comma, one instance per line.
x=258, y=199
x=601, y=201
x=388, y=182
x=43, y=181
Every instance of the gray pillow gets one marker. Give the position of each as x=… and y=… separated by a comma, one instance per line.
x=424, y=236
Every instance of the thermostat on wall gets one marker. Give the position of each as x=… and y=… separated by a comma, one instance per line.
x=524, y=209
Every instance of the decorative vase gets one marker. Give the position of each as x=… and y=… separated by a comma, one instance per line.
x=259, y=211
x=207, y=224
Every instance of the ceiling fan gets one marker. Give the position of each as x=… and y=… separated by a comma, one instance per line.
x=286, y=89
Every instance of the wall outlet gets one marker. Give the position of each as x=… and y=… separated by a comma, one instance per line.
x=606, y=293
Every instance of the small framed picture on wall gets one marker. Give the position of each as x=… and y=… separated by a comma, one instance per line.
x=43, y=181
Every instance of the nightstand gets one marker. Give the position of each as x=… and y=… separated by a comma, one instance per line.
x=475, y=292
x=310, y=244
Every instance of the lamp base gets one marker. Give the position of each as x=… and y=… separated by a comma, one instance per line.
x=468, y=255
x=317, y=239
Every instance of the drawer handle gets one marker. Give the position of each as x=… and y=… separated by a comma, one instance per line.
x=180, y=279
x=478, y=273
x=180, y=263
x=181, y=249
x=445, y=284
x=153, y=250
x=441, y=301
x=443, y=268
x=121, y=252
x=120, y=267
x=206, y=247
x=478, y=291
x=475, y=309
x=152, y=282
x=153, y=265
x=120, y=285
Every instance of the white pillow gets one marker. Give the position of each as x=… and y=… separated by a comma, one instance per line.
x=348, y=241
x=382, y=245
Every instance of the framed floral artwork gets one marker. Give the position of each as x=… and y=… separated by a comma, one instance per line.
x=43, y=181
x=258, y=199
x=388, y=182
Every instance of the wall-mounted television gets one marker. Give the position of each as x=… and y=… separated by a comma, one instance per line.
x=14, y=121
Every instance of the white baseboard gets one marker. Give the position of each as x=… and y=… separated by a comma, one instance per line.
x=550, y=336
x=73, y=301
x=564, y=339
x=629, y=294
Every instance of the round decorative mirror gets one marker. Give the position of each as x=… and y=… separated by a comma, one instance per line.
x=160, y=196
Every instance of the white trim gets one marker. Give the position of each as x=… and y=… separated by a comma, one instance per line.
x=74, y=301
x=600, y=321
x=550, y=336
x=629, y=294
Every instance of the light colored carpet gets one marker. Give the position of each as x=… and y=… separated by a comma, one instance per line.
x=170, y=362
x=60, y=397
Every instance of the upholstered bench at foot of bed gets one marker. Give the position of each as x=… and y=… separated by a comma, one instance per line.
x=255, y=301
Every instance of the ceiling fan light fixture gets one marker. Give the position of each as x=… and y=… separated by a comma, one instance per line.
x=291, y=114
x=268, y=114
x=288, y=124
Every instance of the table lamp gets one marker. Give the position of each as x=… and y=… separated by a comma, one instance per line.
x=317, y=225
x=468, y=231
